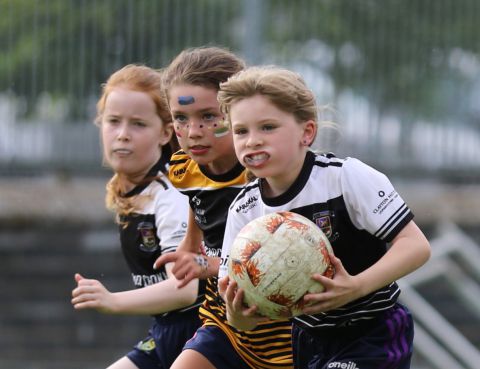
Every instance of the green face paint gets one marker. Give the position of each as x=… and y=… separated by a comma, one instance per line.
x=221, y=129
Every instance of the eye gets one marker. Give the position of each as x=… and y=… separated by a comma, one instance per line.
x=180, y=118
x=268, y=127
x=240, y=131
x=139, y=123
x=209, y=117
x=111, y=120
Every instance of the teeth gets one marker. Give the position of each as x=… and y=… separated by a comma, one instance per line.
x=256, y=158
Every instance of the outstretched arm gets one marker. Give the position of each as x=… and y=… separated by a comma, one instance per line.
x=154, y=299
x=408, y=251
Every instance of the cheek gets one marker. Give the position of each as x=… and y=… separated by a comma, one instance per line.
x=177, y=133
x=181, y=139
x=105, y=139
x=225, y=142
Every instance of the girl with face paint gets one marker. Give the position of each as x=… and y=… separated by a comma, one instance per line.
x=207, y=170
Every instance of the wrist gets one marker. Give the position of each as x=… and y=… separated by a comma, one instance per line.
x=241, y=324
x=203, y=262
x=114, y=306
x=214, y=266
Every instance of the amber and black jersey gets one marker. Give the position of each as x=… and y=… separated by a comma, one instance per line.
x=269, y=345
x=155, y=228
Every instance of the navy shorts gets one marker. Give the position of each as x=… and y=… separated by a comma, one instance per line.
x=386, y=342
x=165, y=340
x=211, y=342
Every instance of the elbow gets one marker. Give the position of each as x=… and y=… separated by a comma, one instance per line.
x=425, y=253
x=190, y=293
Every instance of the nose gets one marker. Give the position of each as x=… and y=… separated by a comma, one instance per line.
x=123, y=133
x=254, y=140
x=195, y=128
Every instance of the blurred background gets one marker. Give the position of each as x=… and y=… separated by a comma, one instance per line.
x=401, y=78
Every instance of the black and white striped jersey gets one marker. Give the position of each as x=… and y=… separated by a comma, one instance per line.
x=356, y=207
x=156, y=227
x=269, y=345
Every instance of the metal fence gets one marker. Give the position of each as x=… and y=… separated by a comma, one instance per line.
x=401, y=76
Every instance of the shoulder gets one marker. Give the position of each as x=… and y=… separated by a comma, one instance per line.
x=178, y=164
x=356, y=168
x=248, y=198
x=183, y=171
x=348, y=166
x=328, y=160
x=161, y=189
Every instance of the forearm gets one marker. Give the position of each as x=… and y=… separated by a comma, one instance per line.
x=194, y=236
x=155, y=299
x=408, y=252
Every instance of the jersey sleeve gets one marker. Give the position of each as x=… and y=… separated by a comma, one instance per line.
x=372, y=202
x=171, y=214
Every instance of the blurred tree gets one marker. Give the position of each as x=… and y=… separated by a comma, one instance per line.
x=399, y=53
x=67, y=48
x=403, y=55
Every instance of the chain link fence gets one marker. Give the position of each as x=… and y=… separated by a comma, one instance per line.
x=401, y=78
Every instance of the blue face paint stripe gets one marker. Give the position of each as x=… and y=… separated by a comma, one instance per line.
x=186, y=100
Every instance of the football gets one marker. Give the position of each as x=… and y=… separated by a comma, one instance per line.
x=273, y=258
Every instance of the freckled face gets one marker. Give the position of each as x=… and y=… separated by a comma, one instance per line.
x=200, y=128
x=132, y=133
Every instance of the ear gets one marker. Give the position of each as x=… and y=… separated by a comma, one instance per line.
x=309, y=132
x=166, y=134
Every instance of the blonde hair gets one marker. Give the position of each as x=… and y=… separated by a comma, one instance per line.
x=144, y=79
x=285, y=89
x=201, y=66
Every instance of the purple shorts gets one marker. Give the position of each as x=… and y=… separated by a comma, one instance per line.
x=384, y=343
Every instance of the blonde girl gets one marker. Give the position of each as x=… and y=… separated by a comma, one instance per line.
x=356, y=322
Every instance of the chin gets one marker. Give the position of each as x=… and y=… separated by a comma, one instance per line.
x=201, y=160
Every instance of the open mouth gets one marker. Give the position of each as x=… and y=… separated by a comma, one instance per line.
x=256, y=160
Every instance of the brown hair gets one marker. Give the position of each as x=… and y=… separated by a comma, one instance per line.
x=201, y=66
x=147, y=80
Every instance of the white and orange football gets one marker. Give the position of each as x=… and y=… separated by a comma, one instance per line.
x=273, y=258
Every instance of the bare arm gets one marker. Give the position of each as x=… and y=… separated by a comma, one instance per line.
x=154, y=299
x=408, y=251
x=194, y=236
